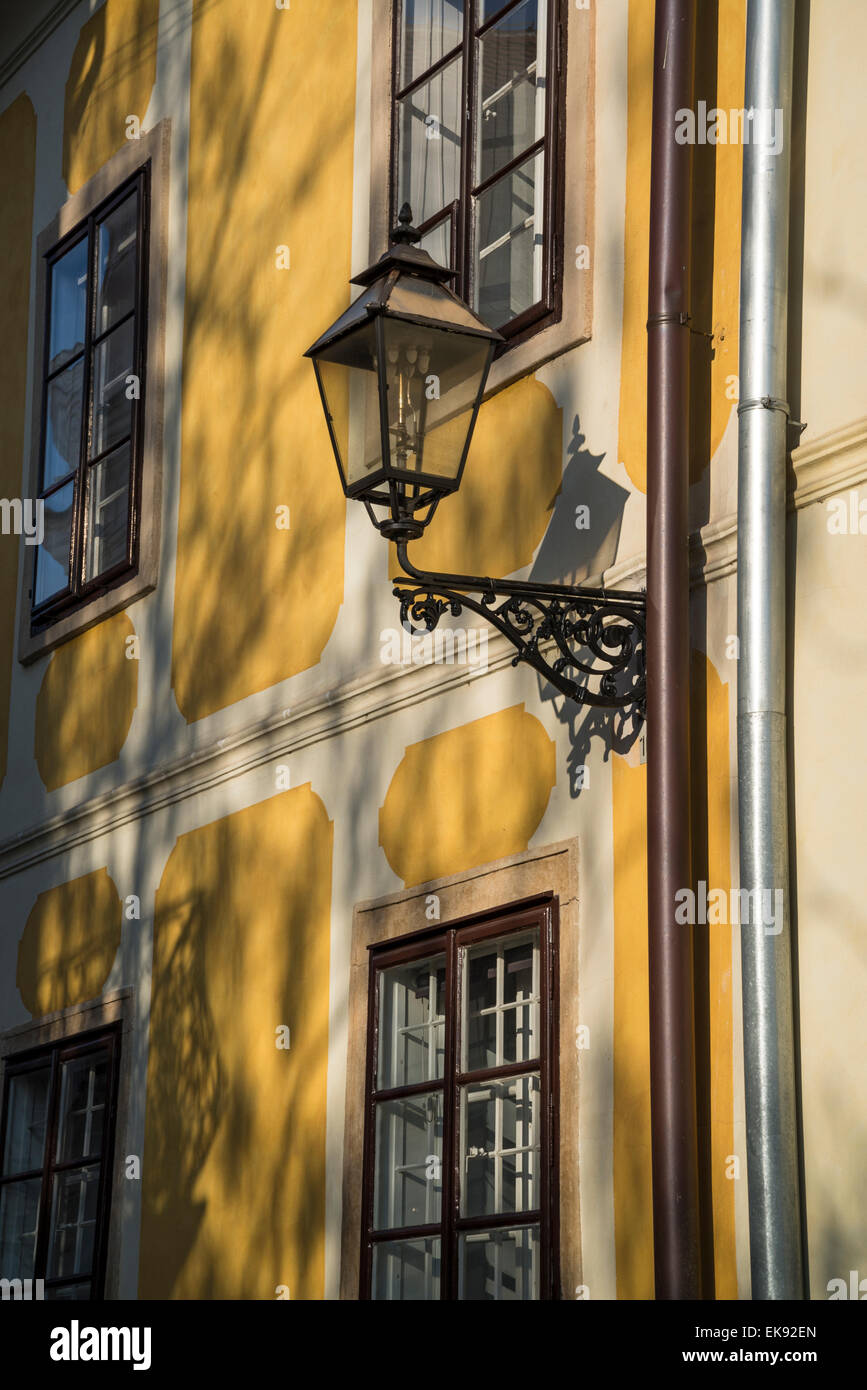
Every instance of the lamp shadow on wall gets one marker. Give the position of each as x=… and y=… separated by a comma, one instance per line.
x=580, y=543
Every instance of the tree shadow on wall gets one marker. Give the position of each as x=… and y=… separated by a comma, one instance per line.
x=185, y=1084
x=578, y=546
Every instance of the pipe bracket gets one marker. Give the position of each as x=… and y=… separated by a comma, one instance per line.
x=764, y=403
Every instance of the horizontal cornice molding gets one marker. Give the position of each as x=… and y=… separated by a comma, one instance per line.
x=37, y=36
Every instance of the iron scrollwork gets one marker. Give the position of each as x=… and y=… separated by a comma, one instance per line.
x=598, y=637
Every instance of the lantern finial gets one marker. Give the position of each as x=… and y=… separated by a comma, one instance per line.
x=405, y=234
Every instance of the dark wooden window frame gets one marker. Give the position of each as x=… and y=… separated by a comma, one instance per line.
x=80, y=592
x=549, y=309
x=450, y=939
x=62, y=1050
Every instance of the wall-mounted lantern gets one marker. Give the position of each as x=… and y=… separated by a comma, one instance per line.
x=401, y=375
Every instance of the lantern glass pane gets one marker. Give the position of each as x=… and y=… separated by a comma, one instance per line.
x=348, y=372
x=433, y=380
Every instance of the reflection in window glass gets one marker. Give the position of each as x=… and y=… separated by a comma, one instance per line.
x=63, y=424
x=429, y=30
x=509, y=243
x=500, y=1139
x=52, y=556
x=68, y=305
x=108, y=512
x=512, y=88
x=501, y=1020
x=25, y=1127
x=409, y=1154
x=500, y=1265
x=429, y=143
x=19, y=1214
x=82, y=1106
x=73, y=1221
x=405, y=1270
x=412, y=1023
x=115, y=288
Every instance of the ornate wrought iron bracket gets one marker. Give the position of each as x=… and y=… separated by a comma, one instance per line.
x=598, y=637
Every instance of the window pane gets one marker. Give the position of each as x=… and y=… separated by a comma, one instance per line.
x=19, y=1214
x=409, y=1148
x=411, y=1023
x=407, y=1269
x=107, y=512
x=25, y=1125
x=480, y=986
x=521, y=1001
x=500, y=1139
x=488, y=8
x=501, y=1002
x=508, y=243
x=429, y=144
x=82, y=1107
x=500, y=1264
x=52, y=557
x=438, y=242
x=115, y=289
x=63, y=424
x=68, y=305
x=429, y=30
x=112, y=407
x=73, y=1221
x=69, y=1291
x=512, y=88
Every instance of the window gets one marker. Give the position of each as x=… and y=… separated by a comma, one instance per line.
x=96, y=461
x=56, y=1143
x=459, y=1149
x=477, y=149
x=92, y=403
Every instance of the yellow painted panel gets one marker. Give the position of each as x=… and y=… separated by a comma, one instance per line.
x=710, y=815
x=255, y=605
x=725, y=245
x=69, y=943
x=233, y=1197
x=17, y=170
x=86, y=702
x=633, y=1196
x=111, y=77
x=633, y=352
x=513, y=474
x=468, y=796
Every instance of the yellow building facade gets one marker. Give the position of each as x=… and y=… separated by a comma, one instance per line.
x=219, y=790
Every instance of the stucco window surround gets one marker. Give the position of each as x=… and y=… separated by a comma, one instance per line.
x=577, y=182
x=152, y=150
x=68, y=1026
x=540, y=874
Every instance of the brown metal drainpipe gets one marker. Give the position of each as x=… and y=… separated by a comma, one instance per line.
x=672, y=1041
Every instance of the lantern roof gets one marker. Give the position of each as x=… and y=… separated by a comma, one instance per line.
x=407, y=283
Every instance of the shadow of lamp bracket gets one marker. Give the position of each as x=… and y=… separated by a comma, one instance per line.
x=401, y=376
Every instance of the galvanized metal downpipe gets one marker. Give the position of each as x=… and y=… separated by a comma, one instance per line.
x=769, y=1065
x=673, y=1116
